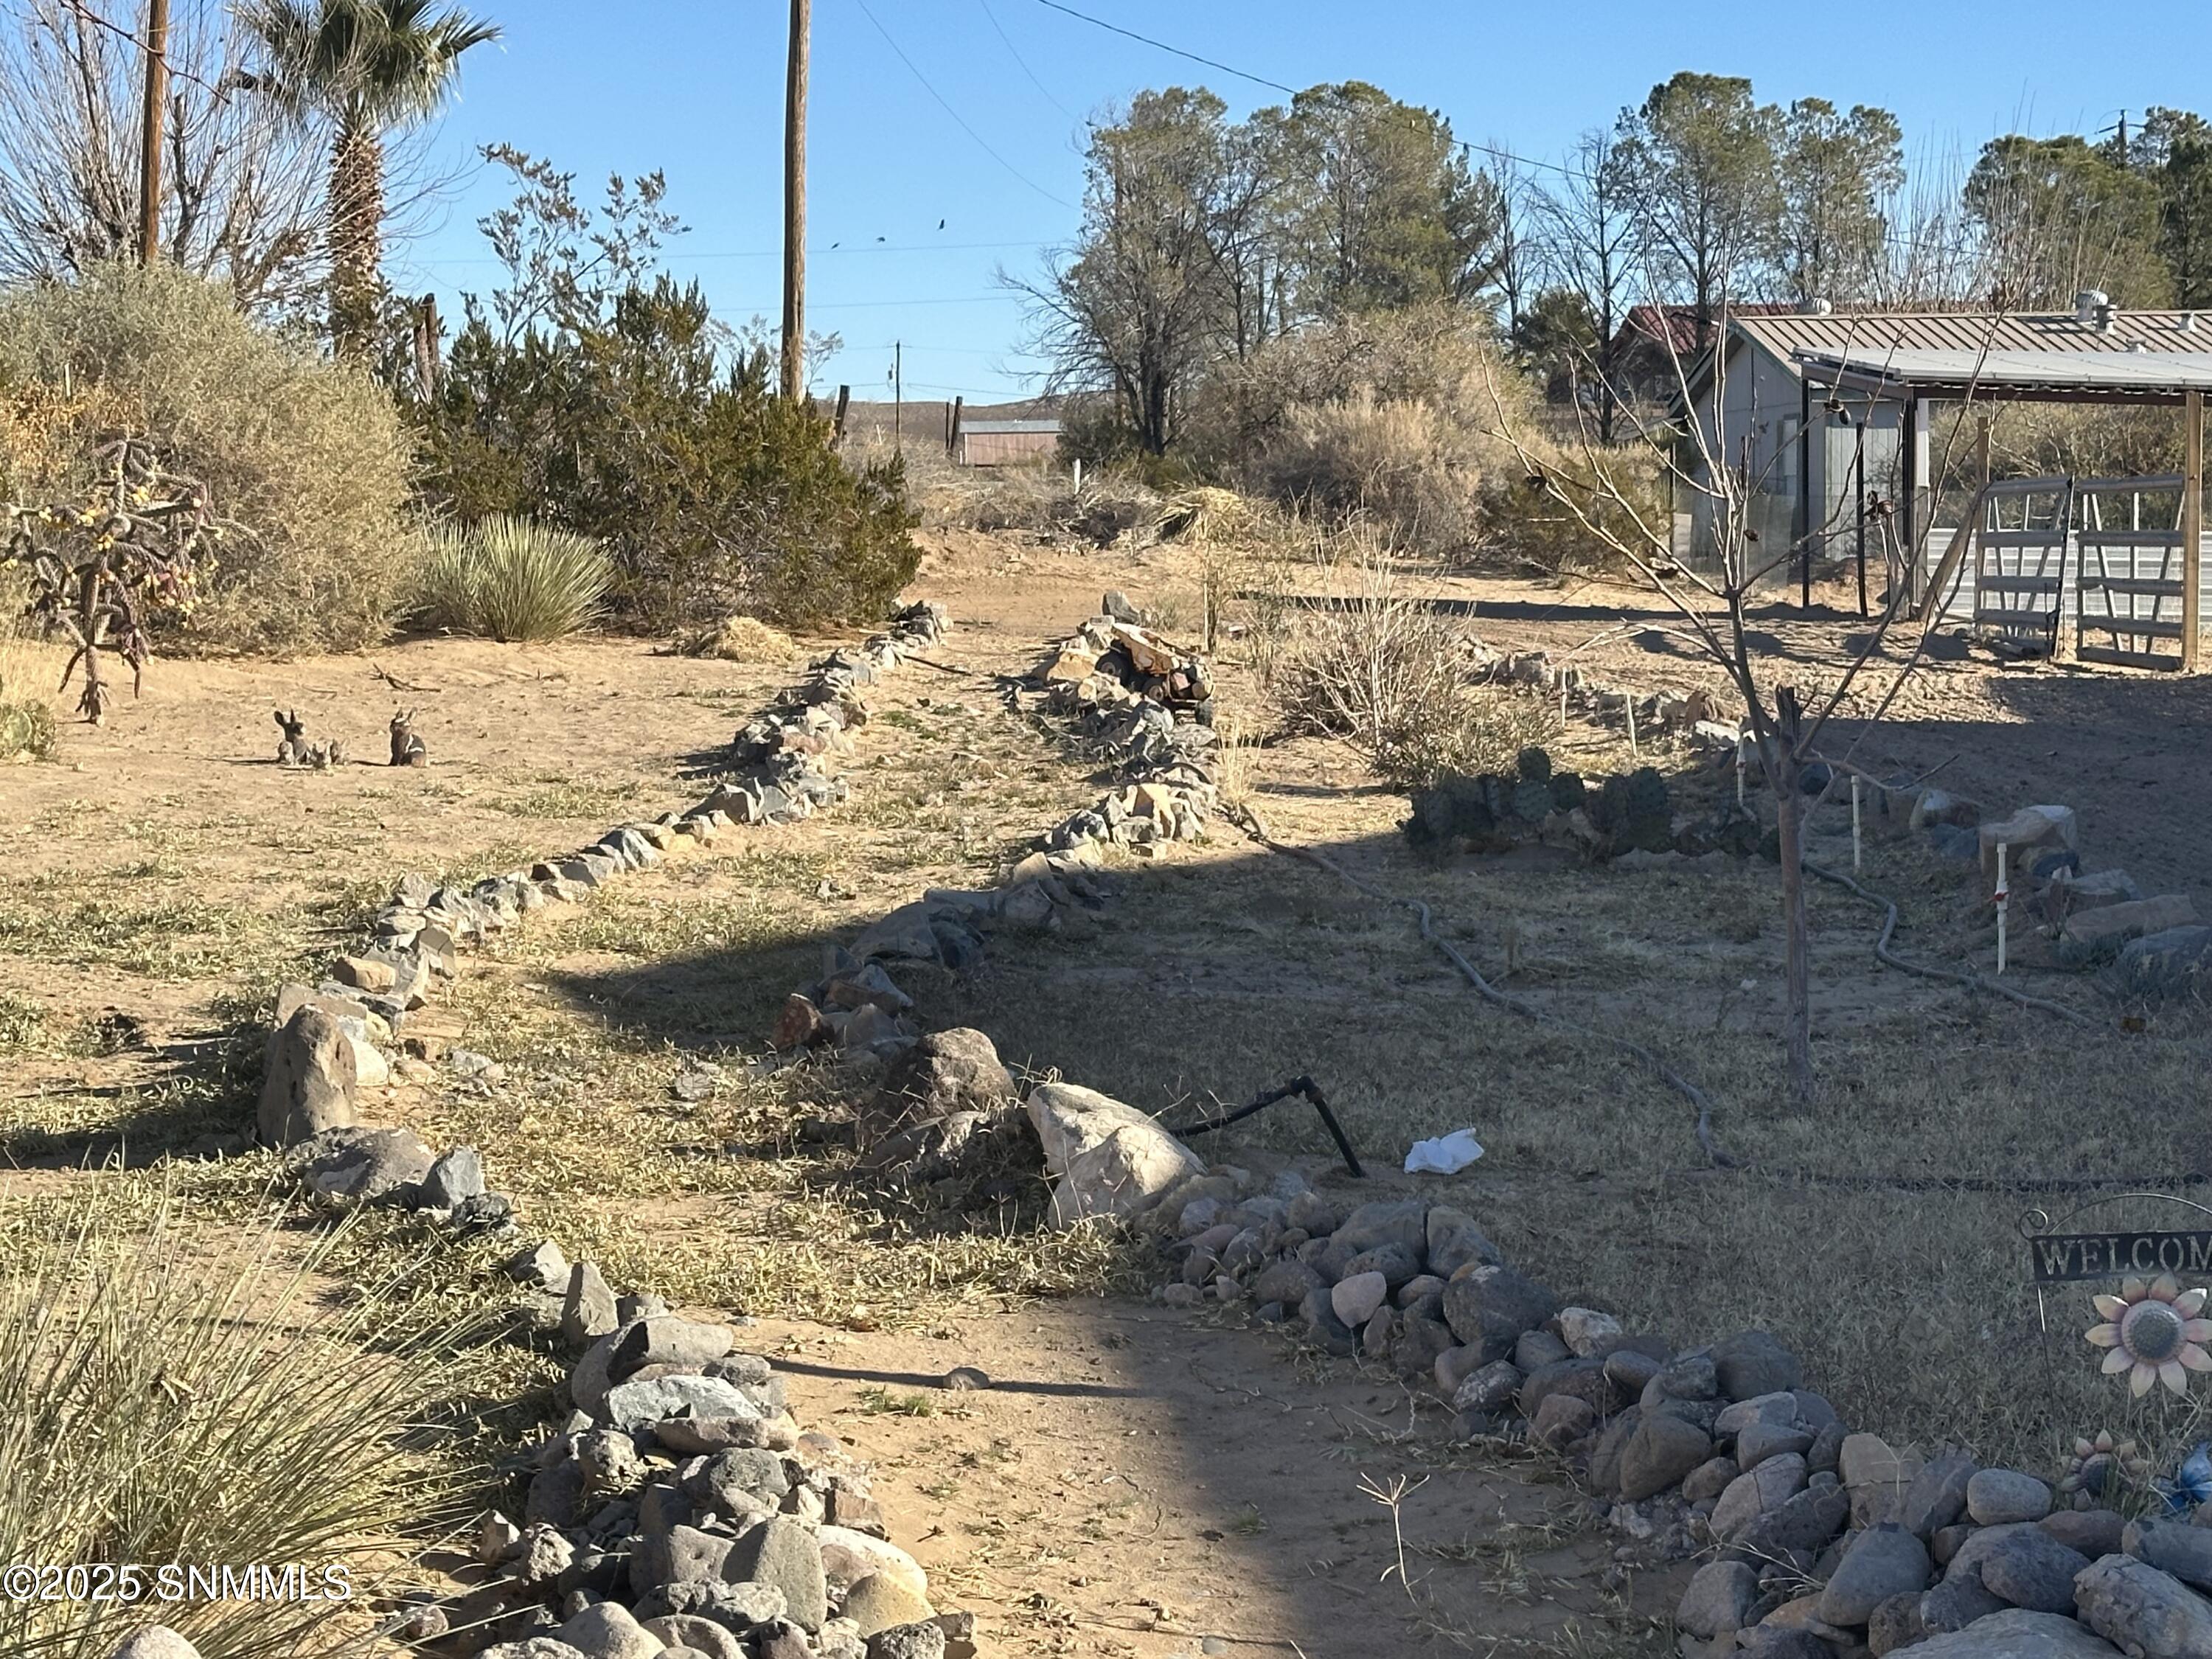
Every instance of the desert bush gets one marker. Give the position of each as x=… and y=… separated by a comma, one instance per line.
x=1396, y=419
x=1043, y=500
x=162, y=1402
x=307, y=458
x=513, y=580
x=1394, y=678
x=27, y=728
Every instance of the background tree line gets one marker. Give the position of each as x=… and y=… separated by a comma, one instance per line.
x=1204, y=239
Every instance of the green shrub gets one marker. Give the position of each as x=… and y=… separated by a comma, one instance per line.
x=618, y=415
x=308, y=459
x=27, y=730
x=513, y=580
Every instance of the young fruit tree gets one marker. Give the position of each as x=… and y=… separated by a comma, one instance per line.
x=1782, y=722
x=101, y=567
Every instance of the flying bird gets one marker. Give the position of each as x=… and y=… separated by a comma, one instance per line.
x=940, y=224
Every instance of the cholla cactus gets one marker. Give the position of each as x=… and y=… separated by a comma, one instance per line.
x=138, y=542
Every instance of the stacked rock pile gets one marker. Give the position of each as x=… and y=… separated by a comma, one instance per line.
x=1823, y=1543
x=2088, y=918
x=1149, y=708
x=330, y=1040
x=681, y=1509
x=1624, y=817
x=1696, y=717
x=781, y=754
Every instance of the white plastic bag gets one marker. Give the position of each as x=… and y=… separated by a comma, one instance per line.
x=1445, y=1155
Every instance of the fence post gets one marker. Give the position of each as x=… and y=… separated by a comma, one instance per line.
x=2192, y=523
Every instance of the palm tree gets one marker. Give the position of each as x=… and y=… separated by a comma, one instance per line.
x=371, y=68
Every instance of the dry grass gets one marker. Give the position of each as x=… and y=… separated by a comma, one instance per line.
x=746, y=639
x=165, y=1396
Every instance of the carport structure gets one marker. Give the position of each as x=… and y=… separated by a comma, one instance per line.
x=2021, y=585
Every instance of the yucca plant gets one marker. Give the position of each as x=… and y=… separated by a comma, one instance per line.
x=167, y=1398
x=514, y=581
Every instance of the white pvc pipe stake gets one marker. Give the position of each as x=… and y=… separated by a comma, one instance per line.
x=1854, y=822
x=2004, y=890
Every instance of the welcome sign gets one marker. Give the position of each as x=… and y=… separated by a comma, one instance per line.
x=2061, y=1257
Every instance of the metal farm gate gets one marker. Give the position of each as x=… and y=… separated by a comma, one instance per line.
x=2130, y=587
x=2020, y=562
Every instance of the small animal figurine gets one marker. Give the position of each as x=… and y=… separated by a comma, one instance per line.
x=292, y=747
x=407, y=749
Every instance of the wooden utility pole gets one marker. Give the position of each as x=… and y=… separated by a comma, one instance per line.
x=149, y=136
x=2193, y=524
x=794, y=203
x=952, y=426
x=898, y=396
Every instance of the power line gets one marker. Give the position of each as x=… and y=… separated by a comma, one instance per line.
x=1015, y=52
x=1162, y=45
x=817, y=251
x=981, y=141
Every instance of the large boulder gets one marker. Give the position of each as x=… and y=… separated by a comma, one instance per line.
x=2016, y=1634
x=784, y=1553
x=1111, y=1159
x=2143, y=1611
x=1490, y=1308
x=2164, y=964
x=310, y=1079
x=946, y=1071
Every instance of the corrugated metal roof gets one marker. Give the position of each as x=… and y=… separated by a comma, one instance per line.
x=1010, y=426
x=2053, y=369
x=2037, y=333
x=1972, y=331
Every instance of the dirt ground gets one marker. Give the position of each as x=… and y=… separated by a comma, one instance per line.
x=1141, y=1483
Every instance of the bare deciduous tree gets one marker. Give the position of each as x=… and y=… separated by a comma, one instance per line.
x=243, y=200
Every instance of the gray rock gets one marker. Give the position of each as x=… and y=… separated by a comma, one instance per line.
x=1356, y=1297
x=1754, y=1491
x=1719, y=1600
x=946, y=1071
x=924, y=1640
x=453, y=1181
x=881, y=1602
x=1663, y=1450
x=2172, y=1546
x=541, y=1267
x=666, y=1340
x=1708, y=1480
x=1753, y=1362
x=366, y=1166
x=1826, y=1455
x=606, y=1630
x=1490, y=1307
x=2014, y=1634
x=1403, y=1221
x=1802, y=1525
x=1582, y=1379
x=1287, y=1282
x=756, y=1472
x=644, y=1401
x=783, y=1553
x=1324, y=1327
x=2168, y=964
x=2021, y=1565
x=1895, y=1624
x=1537, y=1349
x=1687, y=1376
x=2143, y=1611
x=683, y=1555
x=1956, y=1603
x=1630, y=1372
x=1783, y=1641
x=1760, y=1441
x=588, y=1310
x=1490, y=1389
x=1778, y=1408
x=1397, y=1264
x=309, y=1081
x=157, y=1642
x=700, y=1634
x=1937, y=1496
x=1997, y=1497
x=1454, y=1241
x=536, y=1647
x=1884, y=1563
x=2093, y=1532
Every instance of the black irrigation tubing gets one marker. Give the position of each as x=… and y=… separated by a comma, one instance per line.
x=1674, y=1079
x=1297, y=1085
x=1965, y=977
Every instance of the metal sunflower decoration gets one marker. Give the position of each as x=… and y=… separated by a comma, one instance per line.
x=2096, y=1471
x=2154, y=1334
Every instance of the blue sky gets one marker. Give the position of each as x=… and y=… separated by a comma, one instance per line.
x=697, y=90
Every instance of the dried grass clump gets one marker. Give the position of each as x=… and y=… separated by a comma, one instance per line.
x=167, y=1398
x=513, y=580
x=27, y=718
x=1044, y=501
x=743, y=639
x=1393, y=678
